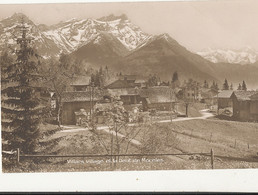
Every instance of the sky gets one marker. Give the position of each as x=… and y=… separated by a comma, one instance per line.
x=197, y=25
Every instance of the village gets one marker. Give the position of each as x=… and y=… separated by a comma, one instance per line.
x=84, y=101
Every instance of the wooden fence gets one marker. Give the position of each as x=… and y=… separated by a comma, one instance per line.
x=21, y=156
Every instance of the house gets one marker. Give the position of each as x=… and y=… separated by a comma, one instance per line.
x=209, y=96
x=191, y=94
x=129, y=96
x=161, y=98
x=224, y=100
x=129, y=78
x=245, y=105
x=81, y=83
x=141, y=83
x=119, y=84
x=74, y=101
x=127, y=81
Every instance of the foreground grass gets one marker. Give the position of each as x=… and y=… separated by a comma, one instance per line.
x=228, y=139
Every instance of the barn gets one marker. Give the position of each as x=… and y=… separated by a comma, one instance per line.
x=129, y=96
x=245, y=105
x=75, y=101
x=224, y=100
x=161, y=98
x=81, y=83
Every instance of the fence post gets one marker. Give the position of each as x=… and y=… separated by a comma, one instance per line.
x=18, y=155
x=212, y=159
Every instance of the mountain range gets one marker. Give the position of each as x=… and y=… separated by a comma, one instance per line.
x=114, y=41
x=246, y=55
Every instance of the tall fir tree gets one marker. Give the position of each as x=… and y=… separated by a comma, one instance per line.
x=225, y=85
x=175, y=80
x=231, y=87
x=214, y=86
x=205, y=84
x=20, y=105
x=244, y=86
x=175, y=77
x=239, y=87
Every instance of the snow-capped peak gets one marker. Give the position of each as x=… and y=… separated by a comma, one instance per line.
x=245, y=55
x=112, y=17
x=67, y=36
x=71, y=35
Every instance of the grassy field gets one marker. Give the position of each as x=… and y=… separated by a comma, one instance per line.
x=234, y=144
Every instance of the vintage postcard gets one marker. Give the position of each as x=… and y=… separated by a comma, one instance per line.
x=129, y=86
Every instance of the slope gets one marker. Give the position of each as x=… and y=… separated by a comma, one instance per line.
x=163, y=55
x=103, y=50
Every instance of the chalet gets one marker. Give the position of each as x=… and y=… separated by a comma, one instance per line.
x=141, y=83
x=209, y=96
x=127, y=81
x=245, y=105
x=74, y=102
x=129, y=96
x=160, y=98
x=129, y=78
x=224, y=100
x=119, y=84
x=81, y=83
x=191, y=94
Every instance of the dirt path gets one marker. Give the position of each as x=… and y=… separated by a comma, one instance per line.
x=205, y=115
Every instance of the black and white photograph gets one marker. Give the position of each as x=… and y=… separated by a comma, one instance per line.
x=129, y=86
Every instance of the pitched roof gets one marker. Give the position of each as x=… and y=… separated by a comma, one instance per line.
x=246, y=95
x=117, y=84
x=81, y=80
x=123, y=91
x=225, y=94
x=161, y=94
x=80, y=96
x=128, y=77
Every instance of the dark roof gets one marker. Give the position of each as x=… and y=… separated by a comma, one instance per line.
x=225, y=94
x=161, y=94
x=246, y=95
x=81, y=81
x=118, y=84
x=208, y=93
x=80, y=96
x=123, y=91
x=128, y=77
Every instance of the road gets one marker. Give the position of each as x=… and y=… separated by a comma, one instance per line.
x=205, y=114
